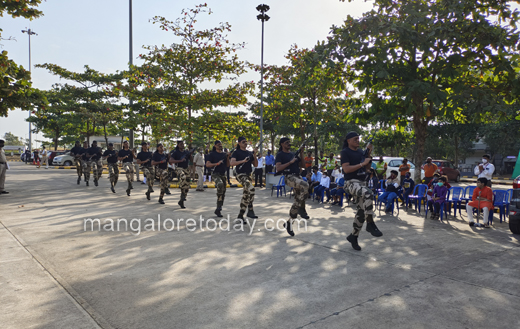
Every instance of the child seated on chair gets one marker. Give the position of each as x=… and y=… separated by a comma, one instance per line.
x=336, y=193
x=429, y=192
x=439, y=196
x=323, y=187
x=482, y=199
x=408, y=185
x=391, y=191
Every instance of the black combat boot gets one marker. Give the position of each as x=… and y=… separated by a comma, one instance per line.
x=353, y=241
x=251, y=213
x=288, y=227
x=303, y=213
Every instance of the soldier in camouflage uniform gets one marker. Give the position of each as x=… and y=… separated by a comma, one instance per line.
x=144, y=160
x=244, y=160
x=76, y=152
x=127, y=157
x=180, y=157
x=218, y=162
x=289, y=164
x=113, y=168
x=160, y=162
x=94, y=163
x=354, y=166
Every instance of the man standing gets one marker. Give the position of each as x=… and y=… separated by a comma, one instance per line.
x=404, y=169
x=259, y=171
x=3, y=167
x=381, y=168
x=127, y=157
x=289, y=165
x=113, y=169
x=181, y=157
x=429, y=169
x=94, y=156
x=243, y=159
x=219, y=161
x=331, y=164
x=354, y=166
x=269, y=163
x=45, y=157
x=485, y=169
x=27, y=156
x=308, y=162
x=144, y=160
x=198, y=162
x=76, y=153
x=36, y=160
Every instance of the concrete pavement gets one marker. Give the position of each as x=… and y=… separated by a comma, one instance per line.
x=420, y=274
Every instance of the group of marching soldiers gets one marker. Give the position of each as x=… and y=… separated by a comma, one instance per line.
x=354, y=164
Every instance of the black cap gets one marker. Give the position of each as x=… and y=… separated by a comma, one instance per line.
x=351, y=134
x=283, y=140
x=241, y=138
x=110, y=144
x=144, y=143
x=217, y=142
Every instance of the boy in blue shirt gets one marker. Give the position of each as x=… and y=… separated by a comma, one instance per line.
x=408, y=186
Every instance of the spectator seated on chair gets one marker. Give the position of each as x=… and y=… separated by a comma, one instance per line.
x=315, y=179
x=391, y=191
x=429, y=193
x=372, y=180
x=338, y=191
x=408, y=186
x=323, y=187
x=482, y=199
x=439, y=197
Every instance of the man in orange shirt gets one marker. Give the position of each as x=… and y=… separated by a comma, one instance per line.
x=308, y=162
x=404, y=169
x=429, y=169
x=482, y=199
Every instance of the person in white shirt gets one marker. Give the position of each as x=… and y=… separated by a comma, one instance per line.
x=324, y=186
x=485, y=169
x=45, y=157
x=198, y=162
x=259, y=170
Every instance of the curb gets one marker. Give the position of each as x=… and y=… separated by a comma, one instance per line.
x=495, y=182
x=494, y=178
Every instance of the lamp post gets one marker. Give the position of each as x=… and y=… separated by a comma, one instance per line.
x=131, y=137
x=263, y=8
x=30, y=32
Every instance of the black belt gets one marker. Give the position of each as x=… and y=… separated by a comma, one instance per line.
x=3, y=162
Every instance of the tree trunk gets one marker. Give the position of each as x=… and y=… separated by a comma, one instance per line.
x=105, y=131
x=88, y=133
x=456, y=138
x=419, y=125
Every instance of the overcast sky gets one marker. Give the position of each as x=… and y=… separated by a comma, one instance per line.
x=75, y=33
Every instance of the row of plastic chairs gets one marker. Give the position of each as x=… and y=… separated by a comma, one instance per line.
x=280, y=188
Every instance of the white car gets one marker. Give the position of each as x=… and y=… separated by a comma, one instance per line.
x=394, y=163
x=63, y=160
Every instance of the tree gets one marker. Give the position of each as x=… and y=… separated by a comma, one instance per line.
x=418, y=61
x=11, y=139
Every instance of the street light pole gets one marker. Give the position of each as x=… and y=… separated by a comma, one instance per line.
x=30, y=32
x=131, y=137
x=263, y=17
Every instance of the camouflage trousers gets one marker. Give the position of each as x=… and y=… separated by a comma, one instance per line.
x=249, y=192
x=364, y=199
x=221, y=185
x=301, y=193
x=165, y=179
x=128, y=167
x=113, y=173
x=149, y=173
x=183, y=174
x=96, y=166
x=79, y=167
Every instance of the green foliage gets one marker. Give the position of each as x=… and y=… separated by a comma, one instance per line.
x=13, y=140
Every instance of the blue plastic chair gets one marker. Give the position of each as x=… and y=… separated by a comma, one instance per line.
x=381, y=188
x=456, y=194
x=468, y=193
x=499, y=201
x=380, y=203
x=418, y=195
x=444, y=206
x=279, y=187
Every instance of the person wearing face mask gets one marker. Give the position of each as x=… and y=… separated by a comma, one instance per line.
x=482, y=199
x=408, y=185
x=439, y=196
x=430, y=168
x=431, y=186
x=485, y=169
x=244, y=160
x=113, y=169
x=219, y=162
x=391, y=191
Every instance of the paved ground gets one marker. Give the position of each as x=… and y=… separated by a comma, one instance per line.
x=420, y=274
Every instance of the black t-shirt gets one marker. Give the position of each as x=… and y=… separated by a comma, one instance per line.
x=177, y=155
x=95, y=152
x=83, y=153
x=215, y=157
x=353, y=158
x=158, y=157
x=243, y=168
x=76, y=150
x=111, y=156
x=283, y=158
x=143, y=156
x=123, y=153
